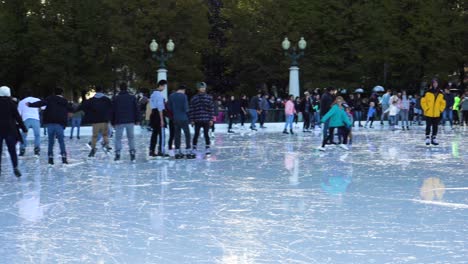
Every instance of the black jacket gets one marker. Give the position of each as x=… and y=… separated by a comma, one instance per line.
x=57, y=109
x=325, y=103
x=234, y=107
x=97, y=110
x=9, y=118
x=125, y=109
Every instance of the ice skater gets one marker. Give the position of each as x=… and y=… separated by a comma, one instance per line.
x=289, y=112
x=337, y=118
x=392, y=111
x=9, y=120
x=433, y=105
x=157, y=121
x=55, y=119
x=201, y=115
x=178, y=105
x=371, y=113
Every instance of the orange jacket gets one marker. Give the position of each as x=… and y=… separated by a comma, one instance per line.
x=433, y=106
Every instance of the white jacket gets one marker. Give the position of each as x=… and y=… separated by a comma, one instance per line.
x=393, y=110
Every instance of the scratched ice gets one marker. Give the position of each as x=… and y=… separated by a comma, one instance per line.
x=263, y=198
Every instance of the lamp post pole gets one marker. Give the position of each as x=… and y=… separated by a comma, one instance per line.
x=294, y=55
x=162, y=56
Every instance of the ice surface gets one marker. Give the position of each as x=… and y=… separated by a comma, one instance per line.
x=259, y=198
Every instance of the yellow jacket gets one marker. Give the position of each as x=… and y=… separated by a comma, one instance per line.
x=431, y=105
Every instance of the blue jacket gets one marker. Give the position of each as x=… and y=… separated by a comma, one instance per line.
x=337, y=116
x=125, y=109
x=178, y=105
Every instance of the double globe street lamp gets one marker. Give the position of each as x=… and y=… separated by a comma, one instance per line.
x=162, y=56
x=294, y=55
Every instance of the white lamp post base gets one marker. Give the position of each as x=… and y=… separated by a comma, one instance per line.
x=162, y=75
x=294, y=81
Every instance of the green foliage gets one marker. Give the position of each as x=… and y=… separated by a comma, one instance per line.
x=79, y=44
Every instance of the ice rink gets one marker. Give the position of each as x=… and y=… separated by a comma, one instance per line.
x=259, y=198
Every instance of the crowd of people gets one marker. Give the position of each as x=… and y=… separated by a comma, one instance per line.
x=327, y=110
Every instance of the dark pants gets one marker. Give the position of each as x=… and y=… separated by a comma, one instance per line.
x=171, y=133
x=329, y=137
x=206, y=127
x=232, y=118
x=306, y=120
x=343, y=133
x=325, y=131
x=432, y=122
x=465, y=117
x=262, y=118
x=242, y=118
x=178, y=126
x=11, y=145
x=157, y=132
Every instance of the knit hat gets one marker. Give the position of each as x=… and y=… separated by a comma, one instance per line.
x=5, y=91
x=201, y=85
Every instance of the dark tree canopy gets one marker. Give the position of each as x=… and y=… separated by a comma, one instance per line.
x=233, y=45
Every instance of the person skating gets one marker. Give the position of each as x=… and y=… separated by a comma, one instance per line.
x=31, y=120
x=433, y=105
x=326, y=102
x=201, y=115
x=371, y=113
x=98, y=111
x=385, y=102
x=337, y=118
x=157, y=120
x=448, y=112
x=178, y=105
x=244, y=104
x=233, y=109
x=10, y=119
x=392, y=111
x=254, y=110
x=55, y=118
x=289, y=111
x=125, y=115
x=307, y=112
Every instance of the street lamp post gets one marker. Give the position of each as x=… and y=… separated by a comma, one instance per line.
x=294, y=55
x=162, y=56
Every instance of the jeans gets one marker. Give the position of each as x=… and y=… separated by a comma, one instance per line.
x=392, y=120
x=11, y=145
x=55, y=131
x=448, y=115
x=36, y=127
x=130, y=130
x=289, y=121
x=206, y=127
x=317, y=117
x=178, y=126
x=254, y=115
x=404, y=117
x=358, y=117
x=75, y=122
x=384, y=108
